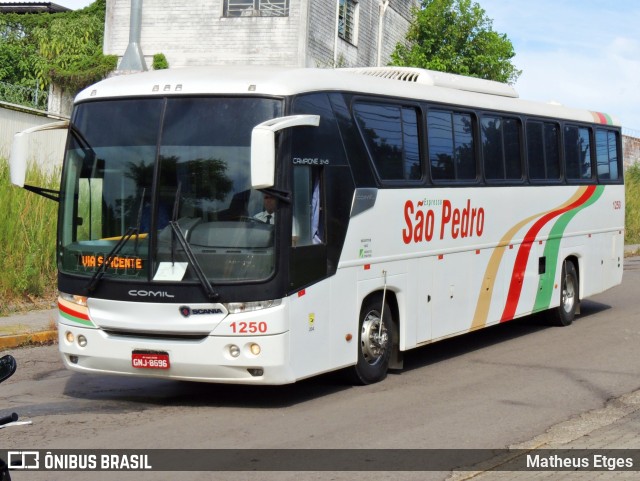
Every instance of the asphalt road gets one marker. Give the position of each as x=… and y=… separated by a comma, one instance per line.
x=489, y=389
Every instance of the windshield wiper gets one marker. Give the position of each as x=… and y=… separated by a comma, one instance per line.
x=97, y=275
x=131, y=231
x=191, y=258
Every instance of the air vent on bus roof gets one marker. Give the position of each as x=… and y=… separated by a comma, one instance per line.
x=438, y=79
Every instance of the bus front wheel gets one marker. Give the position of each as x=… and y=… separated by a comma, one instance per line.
x=565, y=313
x=375, y=342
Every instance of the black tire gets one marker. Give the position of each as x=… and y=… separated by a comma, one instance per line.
x=565, y=313
x=375, y=343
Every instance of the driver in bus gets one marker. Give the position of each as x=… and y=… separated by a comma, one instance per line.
x=268, y=215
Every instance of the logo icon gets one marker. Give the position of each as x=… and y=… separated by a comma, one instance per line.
x=185, y=311
x=23, y=459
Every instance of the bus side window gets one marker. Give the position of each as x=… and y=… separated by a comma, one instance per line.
x=577, y=152
x=501, y=148
x=307, y=222
x=543, y=151
x=607, y=154
x=391, y=134
x=451, y=145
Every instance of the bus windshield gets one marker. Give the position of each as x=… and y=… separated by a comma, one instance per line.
x=132, y=166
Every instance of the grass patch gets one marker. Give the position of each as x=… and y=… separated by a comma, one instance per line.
x=632, y=207
x=27, y=243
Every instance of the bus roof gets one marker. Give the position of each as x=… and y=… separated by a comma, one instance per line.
x=399, y=82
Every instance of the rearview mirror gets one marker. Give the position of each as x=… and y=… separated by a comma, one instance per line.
x=263, y=148
x=20, y=150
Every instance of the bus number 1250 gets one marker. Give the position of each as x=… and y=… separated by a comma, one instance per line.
x=249, y=327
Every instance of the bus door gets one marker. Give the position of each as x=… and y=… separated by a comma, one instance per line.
x=425, y=299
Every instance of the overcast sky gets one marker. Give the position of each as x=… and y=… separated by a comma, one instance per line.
x=581, y=53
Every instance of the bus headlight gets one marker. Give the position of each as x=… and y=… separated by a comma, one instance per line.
x=238, y=307
x=79, y=300
x=234, y=351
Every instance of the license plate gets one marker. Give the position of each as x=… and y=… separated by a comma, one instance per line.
x=150, y=360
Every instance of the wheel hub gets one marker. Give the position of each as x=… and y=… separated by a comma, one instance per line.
x=373, y=339
x=568, y=295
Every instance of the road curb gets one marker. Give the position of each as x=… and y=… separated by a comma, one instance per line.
x=19, y=340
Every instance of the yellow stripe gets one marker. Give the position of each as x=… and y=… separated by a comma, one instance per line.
x=489, y=279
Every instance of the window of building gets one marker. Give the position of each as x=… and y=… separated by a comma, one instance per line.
x=256, y=8
x=391, y=134
x=501, y=148
x=543, y=151
x=348, y=20
x=607, y=154
x=577, y=152
x=451, y=146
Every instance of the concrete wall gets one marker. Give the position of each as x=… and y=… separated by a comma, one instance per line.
x=196, y=33
x=631, y=149
x=47, y=148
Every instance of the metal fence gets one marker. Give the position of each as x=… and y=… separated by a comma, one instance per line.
x=27, y=96
x=256, y=8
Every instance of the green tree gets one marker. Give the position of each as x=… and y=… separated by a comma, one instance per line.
x=456, y=36
x=18, y=49
x=63, y=48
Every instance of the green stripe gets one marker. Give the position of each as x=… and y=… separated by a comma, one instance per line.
x=552, y=252
x=76, y=319
x=609, y=119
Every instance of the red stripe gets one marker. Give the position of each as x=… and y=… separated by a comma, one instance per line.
x=73, y=313
x=522, y=258
x=601, y=118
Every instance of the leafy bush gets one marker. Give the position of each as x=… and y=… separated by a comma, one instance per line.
x=63, y=48
x=160, y=62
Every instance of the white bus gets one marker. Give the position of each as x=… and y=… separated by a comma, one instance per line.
x=410, y=206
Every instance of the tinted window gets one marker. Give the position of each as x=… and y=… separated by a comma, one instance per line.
x=577, y=152
x=501, y=148
x=607, y=154
x=451, y=147
x=542, y=150
x=391, y=135
x=321, y=145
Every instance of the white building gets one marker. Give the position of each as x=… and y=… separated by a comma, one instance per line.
x=301, y=33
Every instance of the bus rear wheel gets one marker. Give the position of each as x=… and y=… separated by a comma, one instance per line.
x=375, y=342
x=565, y=313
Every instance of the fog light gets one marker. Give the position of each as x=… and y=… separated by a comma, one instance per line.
x=82, y=341
x=69, y=337
x=256, y=371
x=234, y=350
x=73, y=359
x=255, y=349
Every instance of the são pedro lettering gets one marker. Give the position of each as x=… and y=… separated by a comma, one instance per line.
x=422, y=223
